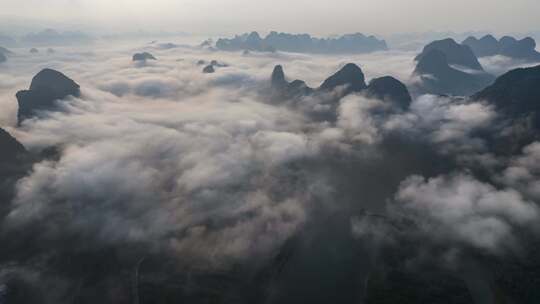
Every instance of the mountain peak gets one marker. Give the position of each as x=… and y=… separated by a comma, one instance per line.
x=59, y=83
x=47, y=86
x=350, y=75
x=455, y=53
x=390, y=89
x=278, y=77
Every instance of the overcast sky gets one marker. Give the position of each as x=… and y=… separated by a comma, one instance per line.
x=314, y=16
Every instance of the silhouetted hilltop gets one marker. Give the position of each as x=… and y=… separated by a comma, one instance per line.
x=350, y=77
x=46, y=87
x=278, y=77
x=390, y=89
x=455, y=53
x=438, y=77
x=516, y=97
x=143, y=56
x=506, y=46
x=3, y=57
x=303, y=43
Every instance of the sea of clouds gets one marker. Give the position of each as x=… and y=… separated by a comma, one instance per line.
x=207, y=167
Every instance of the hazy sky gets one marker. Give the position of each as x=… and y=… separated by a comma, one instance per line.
x=315, y=16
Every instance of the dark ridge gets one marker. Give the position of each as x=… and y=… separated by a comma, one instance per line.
x=46, y=87
x=516, y=92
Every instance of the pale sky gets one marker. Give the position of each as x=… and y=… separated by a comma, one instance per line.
x=313, y=16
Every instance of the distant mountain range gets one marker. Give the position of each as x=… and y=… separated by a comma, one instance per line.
x=303, y=43
x=47, y=37
x=53, y=37
x=507, y=46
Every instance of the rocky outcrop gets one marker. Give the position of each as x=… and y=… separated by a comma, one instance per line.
x=455, y=54
x=516, y=98
x=390, y=90
x=436, y=76
x=46, y=88
x=143, y=57
x=286, y=90
x=508, y=46
x=278, y=78
x=303, y=43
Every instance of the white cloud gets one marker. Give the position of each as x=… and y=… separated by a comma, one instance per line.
x=461, y=208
